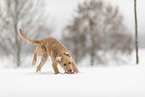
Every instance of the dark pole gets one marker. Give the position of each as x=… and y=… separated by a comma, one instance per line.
x=136, y=33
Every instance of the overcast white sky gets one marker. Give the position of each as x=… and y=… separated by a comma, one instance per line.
x=127, y=10
x=63, y=10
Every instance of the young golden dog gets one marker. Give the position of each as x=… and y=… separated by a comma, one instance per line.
x=53, y=48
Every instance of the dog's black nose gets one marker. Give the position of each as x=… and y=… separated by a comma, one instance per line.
x=70, y=70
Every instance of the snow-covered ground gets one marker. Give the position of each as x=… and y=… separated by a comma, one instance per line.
x=123, y=81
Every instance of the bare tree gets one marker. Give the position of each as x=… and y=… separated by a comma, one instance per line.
x=27, y=14
x=96, y=27
x=136, y=33
x=76, y=40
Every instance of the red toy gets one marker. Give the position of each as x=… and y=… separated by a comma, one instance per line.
x=73, y=71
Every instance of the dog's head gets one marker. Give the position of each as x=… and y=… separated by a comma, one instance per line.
x=65, y=62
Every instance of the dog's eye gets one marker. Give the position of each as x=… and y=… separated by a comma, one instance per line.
x=64, y=64
x=69, y=62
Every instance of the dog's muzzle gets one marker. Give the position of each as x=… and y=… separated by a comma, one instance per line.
x=69, y=71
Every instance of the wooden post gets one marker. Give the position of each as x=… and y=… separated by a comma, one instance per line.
x=136, y=33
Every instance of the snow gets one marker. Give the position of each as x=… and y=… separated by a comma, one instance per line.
x=122, y=81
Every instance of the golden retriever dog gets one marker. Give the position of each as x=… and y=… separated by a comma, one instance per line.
x=53, y=48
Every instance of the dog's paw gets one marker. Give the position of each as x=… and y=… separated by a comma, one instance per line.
x=57, y=72
x=37, y=70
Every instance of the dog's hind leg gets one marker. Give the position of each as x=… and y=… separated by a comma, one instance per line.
x=34, y=58
x=44, y=58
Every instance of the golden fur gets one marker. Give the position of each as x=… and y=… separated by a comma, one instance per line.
x=53, y=48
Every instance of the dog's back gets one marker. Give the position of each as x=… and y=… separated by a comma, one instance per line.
x=50, y=43
x=53, y=44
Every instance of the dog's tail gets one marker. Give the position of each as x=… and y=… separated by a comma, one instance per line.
x=27, y=39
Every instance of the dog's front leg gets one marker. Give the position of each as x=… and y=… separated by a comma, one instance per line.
x=54, y=64
x=44, y=58
x=55, y=68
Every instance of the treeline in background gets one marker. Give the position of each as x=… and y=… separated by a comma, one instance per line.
x=96, y=32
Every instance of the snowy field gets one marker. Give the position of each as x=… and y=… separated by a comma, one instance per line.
x=122, y=81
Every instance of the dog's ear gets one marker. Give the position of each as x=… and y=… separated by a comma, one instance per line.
x=67, y=54
x=58, y=59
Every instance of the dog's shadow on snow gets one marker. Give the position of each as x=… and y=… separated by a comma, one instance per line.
x=44, y=73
